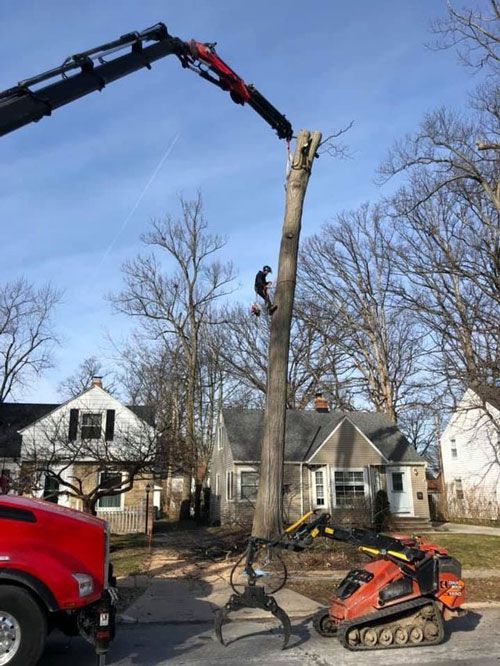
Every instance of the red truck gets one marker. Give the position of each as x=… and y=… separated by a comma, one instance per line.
x=54, y=573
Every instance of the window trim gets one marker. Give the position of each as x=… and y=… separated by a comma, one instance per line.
x=326, y=476
x=88, y=412
x=230, y=485
x=55, y=495
x=366, y=489
x=402, y=476
x=238, y=489
x=121, y=495
x=459, y=491
x=217, y=484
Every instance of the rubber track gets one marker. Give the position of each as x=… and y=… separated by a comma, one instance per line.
x=393, y=611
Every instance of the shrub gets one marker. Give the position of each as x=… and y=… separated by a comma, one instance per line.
x=382, y=511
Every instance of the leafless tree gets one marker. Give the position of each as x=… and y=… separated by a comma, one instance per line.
x=446, y=145
x=348, y=268
x=177, y=305
x=311, y=366
x=451, y=263
x=86, y=469
x=473, y=32
x=447, y=214
x=153, y=375
x=27, y=335
x=80, y=380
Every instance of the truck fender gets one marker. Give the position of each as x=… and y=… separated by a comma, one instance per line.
x=31, y=583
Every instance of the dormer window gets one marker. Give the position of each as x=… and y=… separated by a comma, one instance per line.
x=91, y=427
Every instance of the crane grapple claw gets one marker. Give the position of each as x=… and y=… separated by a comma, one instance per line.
x=253, y=596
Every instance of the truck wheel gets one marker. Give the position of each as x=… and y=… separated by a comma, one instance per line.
x=23, y=627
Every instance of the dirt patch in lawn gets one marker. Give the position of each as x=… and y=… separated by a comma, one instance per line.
x=228, y=543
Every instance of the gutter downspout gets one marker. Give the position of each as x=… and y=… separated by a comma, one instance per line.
x=370, y=486
x=301, y=490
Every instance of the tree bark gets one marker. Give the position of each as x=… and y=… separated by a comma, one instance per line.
x=267, y=522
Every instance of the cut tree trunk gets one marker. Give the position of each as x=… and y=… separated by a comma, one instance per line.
x=267, y=522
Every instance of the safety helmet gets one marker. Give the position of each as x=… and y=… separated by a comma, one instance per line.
x=267, y=269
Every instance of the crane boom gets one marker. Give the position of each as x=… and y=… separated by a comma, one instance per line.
x=32, y=99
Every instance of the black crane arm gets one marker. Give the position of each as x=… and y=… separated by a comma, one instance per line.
x=89, y=71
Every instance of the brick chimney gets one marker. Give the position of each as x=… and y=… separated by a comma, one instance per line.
x=96, y=381
x=321, y=403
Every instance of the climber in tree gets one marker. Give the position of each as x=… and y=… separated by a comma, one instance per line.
x=262, y=289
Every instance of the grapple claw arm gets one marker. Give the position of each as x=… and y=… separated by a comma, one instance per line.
x=253, y=597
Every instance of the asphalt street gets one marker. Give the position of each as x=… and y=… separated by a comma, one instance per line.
x=473, y=639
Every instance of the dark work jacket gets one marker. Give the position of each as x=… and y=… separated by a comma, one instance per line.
x=260, y=281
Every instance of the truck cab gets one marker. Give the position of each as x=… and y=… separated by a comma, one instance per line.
x=54, y=573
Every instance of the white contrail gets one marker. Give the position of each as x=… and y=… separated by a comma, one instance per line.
x=139, y=198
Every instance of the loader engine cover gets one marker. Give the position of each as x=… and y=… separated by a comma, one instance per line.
x=358, y=594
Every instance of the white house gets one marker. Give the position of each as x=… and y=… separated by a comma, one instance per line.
x=92, y=441
x=470, y=451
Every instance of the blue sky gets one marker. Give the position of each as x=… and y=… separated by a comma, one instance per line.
x=69, y=182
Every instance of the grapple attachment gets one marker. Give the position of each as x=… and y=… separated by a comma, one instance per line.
x=253, y=596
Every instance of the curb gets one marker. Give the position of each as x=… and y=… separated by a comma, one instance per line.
x=472, y=605
x=128, y=620
x=297, y=615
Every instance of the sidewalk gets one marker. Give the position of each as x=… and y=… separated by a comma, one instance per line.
x=459, y=528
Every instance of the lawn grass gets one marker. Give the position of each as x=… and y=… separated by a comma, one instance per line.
x=130, y=554
x=473, y=551
x=476, y=589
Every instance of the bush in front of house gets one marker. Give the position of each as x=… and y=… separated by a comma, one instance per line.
x=381, y=511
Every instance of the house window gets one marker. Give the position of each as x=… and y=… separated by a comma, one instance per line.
x=397, y=482
x=51, y=489
x=110, y=480
x=349, y=486
x=91, y=425
x=454, y=449
x=459, y=491
x=249, y=485
x=5, y=481
x=319, y=487
x=217, y=484
x=229, y=486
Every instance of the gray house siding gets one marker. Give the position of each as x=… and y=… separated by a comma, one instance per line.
x=366, y=448
x=221, y=507
x=347, y=447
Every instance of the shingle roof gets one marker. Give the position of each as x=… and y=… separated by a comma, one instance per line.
x=307, y=430
x=144, y=412
x=13, y=417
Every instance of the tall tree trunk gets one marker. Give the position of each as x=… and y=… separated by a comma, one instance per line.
x=267, y=520
x=192, y=453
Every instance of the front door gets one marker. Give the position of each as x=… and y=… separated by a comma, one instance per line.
x=399, y=490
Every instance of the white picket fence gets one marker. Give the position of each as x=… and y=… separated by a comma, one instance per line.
x=126, y=521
